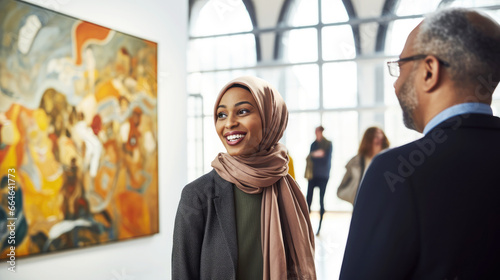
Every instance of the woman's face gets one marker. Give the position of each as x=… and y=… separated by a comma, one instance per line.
x=379, y=137
x=239, y=125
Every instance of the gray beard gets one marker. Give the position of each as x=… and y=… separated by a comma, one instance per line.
x=408, y=101
x=408, y=120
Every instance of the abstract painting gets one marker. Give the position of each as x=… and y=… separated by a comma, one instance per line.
x=78, y=133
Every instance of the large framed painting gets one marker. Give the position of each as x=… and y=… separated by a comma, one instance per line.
x=78, y=133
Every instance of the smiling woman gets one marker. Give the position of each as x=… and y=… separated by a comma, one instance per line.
x=247, y=218
x=238, y=122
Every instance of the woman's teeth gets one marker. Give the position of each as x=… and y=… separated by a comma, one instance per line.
x=235, y=137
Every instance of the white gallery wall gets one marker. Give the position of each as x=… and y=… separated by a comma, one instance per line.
x=146, y=258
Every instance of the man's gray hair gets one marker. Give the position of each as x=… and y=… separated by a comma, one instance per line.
x=472, y=54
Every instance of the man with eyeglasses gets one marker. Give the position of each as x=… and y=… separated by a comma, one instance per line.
x=431, y=209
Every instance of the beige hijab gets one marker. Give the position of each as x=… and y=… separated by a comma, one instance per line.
x=286, y=232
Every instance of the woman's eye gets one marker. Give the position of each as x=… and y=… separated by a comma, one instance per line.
x=221, y=115
x=243, y=111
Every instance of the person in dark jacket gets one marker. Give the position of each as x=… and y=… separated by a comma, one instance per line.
x=320, y=161
x=429, y=209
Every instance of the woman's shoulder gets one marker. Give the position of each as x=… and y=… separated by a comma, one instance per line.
x=204, y=179
x=356, y=160
x=204, y=185
x=201, y=182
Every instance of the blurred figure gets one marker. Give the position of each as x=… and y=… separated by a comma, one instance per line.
x=319, y=161
x=429, y=209
x=373, y=142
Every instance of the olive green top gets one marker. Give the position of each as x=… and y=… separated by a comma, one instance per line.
x=247, y=209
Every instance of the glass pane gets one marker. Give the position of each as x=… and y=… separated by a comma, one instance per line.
x=371, y=87
x=194, y=83
x=276, y=76
x=338, y=42
x=412, y=7
x=221, y=52
x=397, y=133
x=303, y=12
x=340, y=85
x=370, y=118
x=298, y=138
x=220, y=17
x=301, y=87
x=298, y=85
x=389, y=91
x=209, y=85
x=195, y=137
x=300, y=45
x=333, y=11
x=342, y=129
x=398, y=33
x=212, y=143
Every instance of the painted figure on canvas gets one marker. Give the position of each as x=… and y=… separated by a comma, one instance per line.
x=78, y=125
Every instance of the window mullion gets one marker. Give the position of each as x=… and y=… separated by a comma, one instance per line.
x=320, y=60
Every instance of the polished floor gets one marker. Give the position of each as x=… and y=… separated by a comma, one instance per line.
x=330, y=243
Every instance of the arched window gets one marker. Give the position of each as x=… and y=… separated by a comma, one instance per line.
x=327, y=59
x=221, y=46
x=209, y=47
x=319, y=47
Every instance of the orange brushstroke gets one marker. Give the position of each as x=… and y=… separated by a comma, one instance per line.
x=83, y=33
x=134, y=214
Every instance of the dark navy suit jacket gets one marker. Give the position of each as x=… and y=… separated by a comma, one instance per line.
x=431, y=209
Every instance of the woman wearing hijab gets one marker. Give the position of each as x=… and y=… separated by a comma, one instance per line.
x=247, y=218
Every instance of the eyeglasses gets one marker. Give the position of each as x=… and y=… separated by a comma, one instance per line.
x=396, y=64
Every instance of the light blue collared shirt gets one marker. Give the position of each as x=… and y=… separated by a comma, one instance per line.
x=464, y=108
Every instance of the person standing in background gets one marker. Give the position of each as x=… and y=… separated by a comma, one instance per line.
x=319, y=161
x=372, y=143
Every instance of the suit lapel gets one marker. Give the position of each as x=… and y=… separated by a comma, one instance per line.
x=224, y=208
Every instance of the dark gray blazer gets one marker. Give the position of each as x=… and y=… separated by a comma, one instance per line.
x=205, y=243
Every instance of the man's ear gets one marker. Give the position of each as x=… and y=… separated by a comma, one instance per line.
x=432, y=74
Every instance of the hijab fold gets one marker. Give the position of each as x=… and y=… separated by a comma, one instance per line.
x=286, y=233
